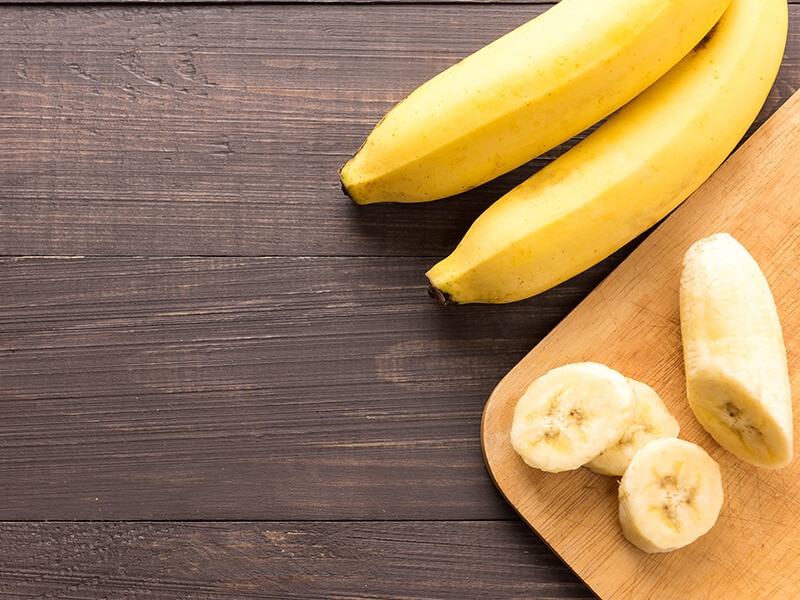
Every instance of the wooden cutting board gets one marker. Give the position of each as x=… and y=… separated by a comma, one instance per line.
x=630, y=322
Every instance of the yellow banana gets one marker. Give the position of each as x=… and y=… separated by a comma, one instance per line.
x=530, y=90
x=629, y=173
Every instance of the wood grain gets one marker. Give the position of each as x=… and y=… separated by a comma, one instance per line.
x=212, y=560
x=239, y=388
x=631, y=322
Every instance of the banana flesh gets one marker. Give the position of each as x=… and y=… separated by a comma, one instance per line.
x=737, y=378
x=570, y=415
x=626, y=175
x=527, y=92
x=670, y=495
x=652, y=420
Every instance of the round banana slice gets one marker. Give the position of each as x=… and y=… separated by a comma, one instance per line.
x=571, y=414
x=651, y=421
x=670, y=495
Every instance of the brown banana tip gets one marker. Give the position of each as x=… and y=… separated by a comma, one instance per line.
x=347, y=193
x=345, y=189
x=438, y=295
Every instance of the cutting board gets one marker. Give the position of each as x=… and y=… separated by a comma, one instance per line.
x=630, y=322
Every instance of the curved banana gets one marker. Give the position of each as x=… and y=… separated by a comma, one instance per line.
x=530, y=90
x=629, y=173
x=737, y=376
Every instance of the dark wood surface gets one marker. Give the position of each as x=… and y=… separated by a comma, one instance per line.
x=219, y=378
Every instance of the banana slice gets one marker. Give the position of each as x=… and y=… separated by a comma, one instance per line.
x=571, y=414
x=670, y=495
x=737, y=378
x=651, y=420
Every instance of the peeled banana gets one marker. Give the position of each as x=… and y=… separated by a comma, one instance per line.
x=651, y=420
x=570, y=415
x=670, y=495
x=626, y=175
x=532, y=89
x=737, y=378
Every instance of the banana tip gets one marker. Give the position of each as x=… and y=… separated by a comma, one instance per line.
x=343, y=183
x=438, y=295
x=344, y=190
x=348, y=191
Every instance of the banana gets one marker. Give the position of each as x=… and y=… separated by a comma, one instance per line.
x=523, y=94
x=670, y=495
x=652, y=420
x=737, y=378
x=571, y=414
x=629, y=173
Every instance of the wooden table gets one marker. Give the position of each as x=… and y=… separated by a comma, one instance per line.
x=219, y=378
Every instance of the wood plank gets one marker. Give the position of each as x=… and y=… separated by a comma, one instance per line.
x=285, y=560
x=246, y=388
x=217, y=130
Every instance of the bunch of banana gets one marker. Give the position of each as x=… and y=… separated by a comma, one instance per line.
x=587, y=414
x=629, y=173
x=737, y=376
x=523, y=94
